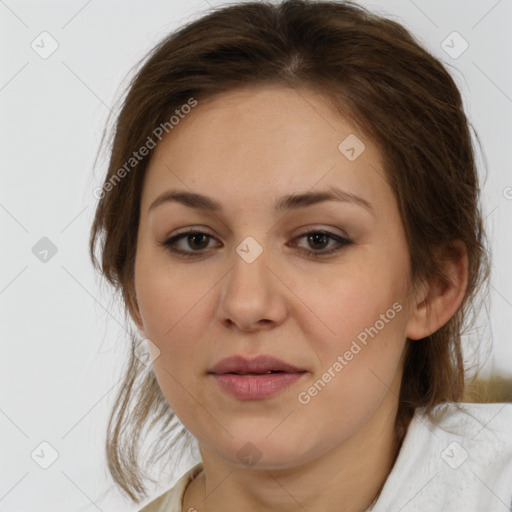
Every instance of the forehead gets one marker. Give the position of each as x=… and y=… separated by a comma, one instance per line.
x=261, y=139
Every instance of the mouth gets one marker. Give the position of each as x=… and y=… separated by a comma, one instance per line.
x=255, y=373
x=254, y=379
x=261, y=365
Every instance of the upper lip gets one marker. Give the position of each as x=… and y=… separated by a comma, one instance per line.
x=260, y=364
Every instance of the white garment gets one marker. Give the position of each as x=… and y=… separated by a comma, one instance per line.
x=462, y=464
x=172, y=500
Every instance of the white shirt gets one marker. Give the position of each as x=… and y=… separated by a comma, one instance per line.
x=462, y=464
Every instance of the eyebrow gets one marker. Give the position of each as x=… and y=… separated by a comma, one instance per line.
x=286, y=203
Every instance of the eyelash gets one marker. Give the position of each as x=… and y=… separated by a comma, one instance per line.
x=169, y=244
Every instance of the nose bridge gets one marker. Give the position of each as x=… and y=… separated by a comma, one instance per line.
x=247, y=279
x=251, y=293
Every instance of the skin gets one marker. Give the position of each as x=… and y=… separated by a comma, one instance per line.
x=247, y=148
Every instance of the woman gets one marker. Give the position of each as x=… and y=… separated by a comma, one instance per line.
x=291, y=214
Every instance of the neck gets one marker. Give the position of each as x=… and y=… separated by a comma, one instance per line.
x=347, y=478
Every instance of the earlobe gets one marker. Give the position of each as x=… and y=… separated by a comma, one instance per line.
x=439, y=301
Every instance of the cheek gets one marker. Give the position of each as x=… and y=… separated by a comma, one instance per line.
x=361, y=337
x=172, y=306
x=341, y=305
x=359, y=368
x=168, y=299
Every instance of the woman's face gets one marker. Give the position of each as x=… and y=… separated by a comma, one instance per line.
x=246, y=285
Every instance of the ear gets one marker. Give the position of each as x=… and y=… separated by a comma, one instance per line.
x=438, y=302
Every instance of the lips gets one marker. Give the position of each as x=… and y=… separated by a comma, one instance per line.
x=239, y=365
x=254, y=379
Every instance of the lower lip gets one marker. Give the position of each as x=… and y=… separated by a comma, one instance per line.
x=255, y=387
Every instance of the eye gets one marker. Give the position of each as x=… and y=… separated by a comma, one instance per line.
x=198, y=241
x=319, y=240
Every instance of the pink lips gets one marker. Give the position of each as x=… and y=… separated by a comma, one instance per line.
x=254, y=379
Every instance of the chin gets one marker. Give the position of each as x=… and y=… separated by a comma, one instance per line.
x=278, y=451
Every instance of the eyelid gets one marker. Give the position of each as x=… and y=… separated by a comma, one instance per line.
x=187, y=230
x=342, y=241
x=321, y=229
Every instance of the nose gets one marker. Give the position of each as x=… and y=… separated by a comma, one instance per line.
x=253, y=296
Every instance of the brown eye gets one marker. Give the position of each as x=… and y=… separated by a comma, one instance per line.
x=197, y=240
x=319, y=240
x=191, y=243
x=194, y=243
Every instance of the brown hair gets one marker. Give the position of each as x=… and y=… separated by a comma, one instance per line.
x=372, y=70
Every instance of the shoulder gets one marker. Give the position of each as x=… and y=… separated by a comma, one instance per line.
x=483, y=430
x=171, y=500
x=466, y=419
x=457, y=458
x=477, y=431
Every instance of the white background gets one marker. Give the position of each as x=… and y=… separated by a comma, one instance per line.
x=62, y=339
